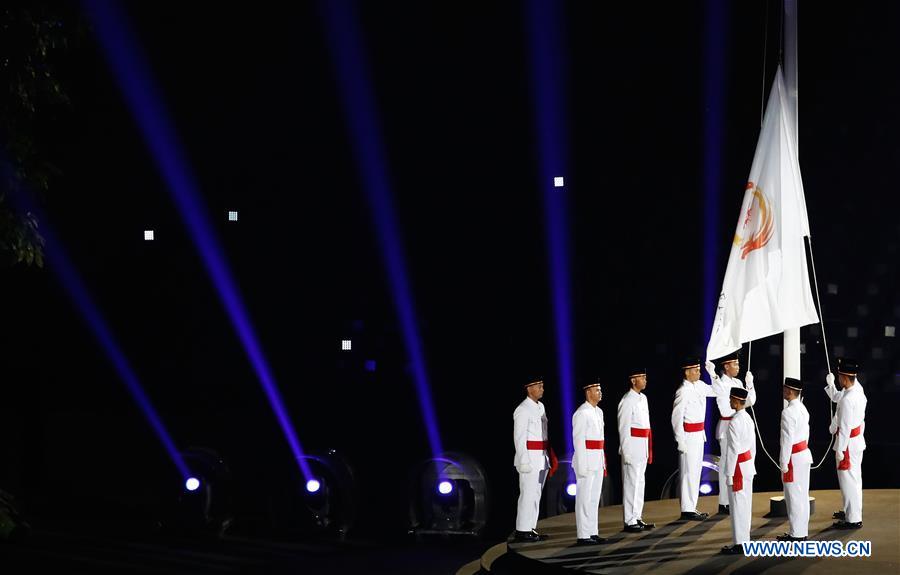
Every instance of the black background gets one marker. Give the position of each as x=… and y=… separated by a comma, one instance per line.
x=252, y=94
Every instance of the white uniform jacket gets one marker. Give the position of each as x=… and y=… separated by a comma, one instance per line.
x=741, y=438
x=850, y=414
x=587, y=425
x=794, y=429
x=690, y=407
x=530, y=424
x=633, y=412
x=723, y=385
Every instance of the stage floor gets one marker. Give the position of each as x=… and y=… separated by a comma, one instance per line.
x=693, y=547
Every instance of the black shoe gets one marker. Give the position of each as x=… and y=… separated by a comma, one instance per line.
x=636, y=528
x=846, y=525
x=526, y=537
x=598, y=539
x=646, y=525
x=723, y=510
x=587, y=541
x=732, y=550
x=838, y=515
x=693, y=516
x=789, y=537
x=541, y=536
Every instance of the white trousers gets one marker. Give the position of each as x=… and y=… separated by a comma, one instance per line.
x=587, y=503
x=689, y=465
x=740, y=505
x=530, y=487
x=796, y=498
x=633, y=490
x=723, y=480
x=851, y=488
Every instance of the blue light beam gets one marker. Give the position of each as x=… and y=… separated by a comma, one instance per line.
x=358, y=100
x=133, y=76
x=548, y=81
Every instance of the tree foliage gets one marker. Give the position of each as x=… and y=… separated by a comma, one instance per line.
x=35, y=41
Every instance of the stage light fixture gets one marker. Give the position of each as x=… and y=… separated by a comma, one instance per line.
x=232, y=216
x=448, y=496
x=571, y=489
x=202, y=505
x=322, y=504
x=346, y=345
x=558, y=182
x=313, y=486
x=148, y=235
x=705, y=488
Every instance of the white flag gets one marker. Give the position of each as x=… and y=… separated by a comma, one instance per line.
x=766, y=288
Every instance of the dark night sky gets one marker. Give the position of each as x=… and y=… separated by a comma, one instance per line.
x=252, y=94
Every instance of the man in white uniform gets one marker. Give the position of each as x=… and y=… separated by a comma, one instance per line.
x=848, y=427
x=795, y=460
x=532, y=459
x=739, y=470
x=688, y=416
x=636, y=449
x=731, y=366
x=589, y=463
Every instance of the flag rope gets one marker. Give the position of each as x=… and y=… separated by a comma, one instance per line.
x=827, y=363
x=812, y=262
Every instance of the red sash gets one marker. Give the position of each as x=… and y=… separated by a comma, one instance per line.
x=597, y=444
x=844, y=465
x=693, y=426
x=648, y=433
x=738, y=482
x=796, y=448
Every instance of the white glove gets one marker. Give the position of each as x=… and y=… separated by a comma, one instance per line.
x=785, y=469
x=749, y=380
x=832, y=429
x=829, y=379
x=626, y=460
x=711, y=369
x=839, y=455
x=524, y=468
x=681, y=447
x=729, y=479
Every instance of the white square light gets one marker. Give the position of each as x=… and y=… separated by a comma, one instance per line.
x=232, y=216
x=558, y=182
x=890, y=331
x=148, y=235
x=346, y=345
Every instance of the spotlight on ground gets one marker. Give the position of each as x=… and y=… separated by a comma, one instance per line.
x=709, y=479
x=571, y=489
x=448, y=496
x=201, y=505
x=322, y=504
x=705, y=488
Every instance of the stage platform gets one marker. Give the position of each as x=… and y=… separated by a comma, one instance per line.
x=693, y=547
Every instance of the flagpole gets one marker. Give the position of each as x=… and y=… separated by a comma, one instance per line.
x=791, y=349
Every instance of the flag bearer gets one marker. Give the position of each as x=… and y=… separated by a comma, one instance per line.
x=795, y=460
x=688, y=416
x=731, y=366
x=740, y=469
x=848, y=426
x=532, y=458
x=589, y=463
x=636, y=449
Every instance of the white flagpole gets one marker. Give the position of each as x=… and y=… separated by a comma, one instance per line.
x=791, y=352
